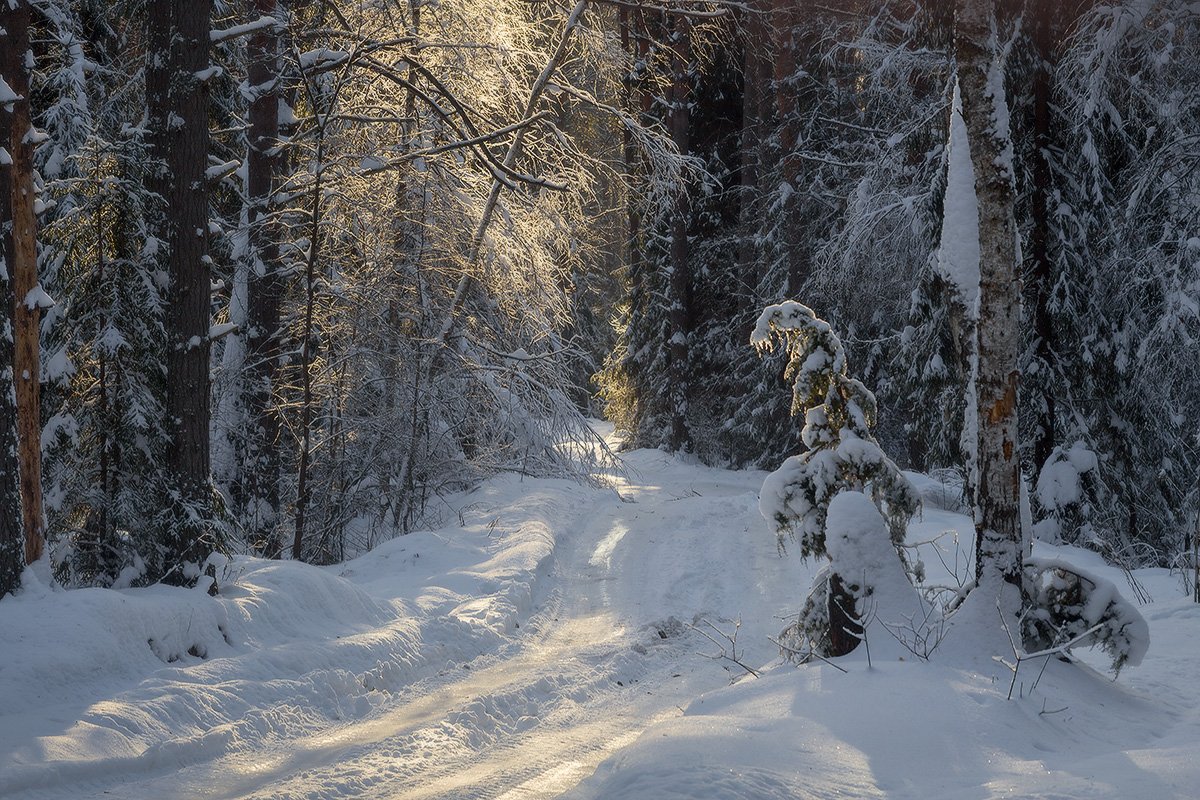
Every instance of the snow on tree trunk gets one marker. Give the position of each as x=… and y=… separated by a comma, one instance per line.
x=868, y=587
x=21, y=261
x=958, y=265
x=177, y=108
x=998, y=546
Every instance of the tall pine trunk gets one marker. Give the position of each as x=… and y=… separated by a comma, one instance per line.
x=21, y=263
x=262, y=462
x=755, y=82
x=177, y=94
x=998, y=547
x=679, y=313
x=16, y=197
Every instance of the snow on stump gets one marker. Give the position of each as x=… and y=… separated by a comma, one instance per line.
x=868, y=587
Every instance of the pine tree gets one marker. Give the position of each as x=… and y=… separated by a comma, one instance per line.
x=843, y=455
x=12, y=532
x=21, y=264
x=177, y=76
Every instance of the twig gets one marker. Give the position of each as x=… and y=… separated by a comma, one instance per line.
x=732, y=653
x=810, y=653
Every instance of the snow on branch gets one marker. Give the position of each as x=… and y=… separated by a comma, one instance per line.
x=236, y=31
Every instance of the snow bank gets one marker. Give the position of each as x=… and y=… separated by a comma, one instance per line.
x=97, y=682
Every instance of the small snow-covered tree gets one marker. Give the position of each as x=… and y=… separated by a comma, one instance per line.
x=1068, y=606
x=839, y=413
x=1063, y=496
x=843, y=455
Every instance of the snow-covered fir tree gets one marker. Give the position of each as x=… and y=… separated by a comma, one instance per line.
x=842, y=455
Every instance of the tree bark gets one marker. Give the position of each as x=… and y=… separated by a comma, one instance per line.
x=177, y=106
x=1050, y=24
x=21, y=261
x=786, y=17
x=262, y=462
x=679, y=313
x=755, y=63
x=998, y=547
x=845, y=627
x=15, y=175
x=1041, y=270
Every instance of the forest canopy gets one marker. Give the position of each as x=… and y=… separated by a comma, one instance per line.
x=281, y=275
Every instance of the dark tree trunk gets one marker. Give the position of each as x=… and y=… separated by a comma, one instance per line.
x=14, y=122
x=786, y=16
x=633, y=43
x=845, y=627
x=1041, y=272
x=21, y=265
x=755, y=64
x=998, y=548
x=1050, y=25
x=679, y=312
x=262, y=462
x=308, y=333
x=177, y=106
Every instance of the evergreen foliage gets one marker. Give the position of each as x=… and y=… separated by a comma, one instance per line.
x=842, y=456
x=839, y=413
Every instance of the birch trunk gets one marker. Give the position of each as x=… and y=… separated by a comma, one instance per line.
x=998, y=546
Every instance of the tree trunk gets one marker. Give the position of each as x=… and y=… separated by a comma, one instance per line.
x=21, y=260
x=632, y=42
x=177, y=107
x=308, y=334
x=1050, y=25
x=845, y=628
x=262, y=461
x=786, y=17
x=755, y=64
x=14, y=122
x=1041, y=270
x=998, y=547
x=679, y=312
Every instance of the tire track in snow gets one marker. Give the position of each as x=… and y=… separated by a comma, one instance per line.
x=465, y=740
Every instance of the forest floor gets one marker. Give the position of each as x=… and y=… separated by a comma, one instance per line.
x=566, y=641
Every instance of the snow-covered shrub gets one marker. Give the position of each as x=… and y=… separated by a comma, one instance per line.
x=1063, y=494
x=838, y=415
x=842, y=456
x=1066, y=604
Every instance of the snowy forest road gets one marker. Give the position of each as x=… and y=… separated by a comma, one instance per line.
x=606, y=650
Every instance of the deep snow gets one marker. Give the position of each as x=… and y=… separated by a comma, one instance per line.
x=544, y=644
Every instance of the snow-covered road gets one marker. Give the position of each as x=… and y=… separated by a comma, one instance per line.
x=544, y=644
x=607, y=653
x=604, y=648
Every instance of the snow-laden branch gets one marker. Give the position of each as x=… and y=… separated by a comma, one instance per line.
x=248, y=28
